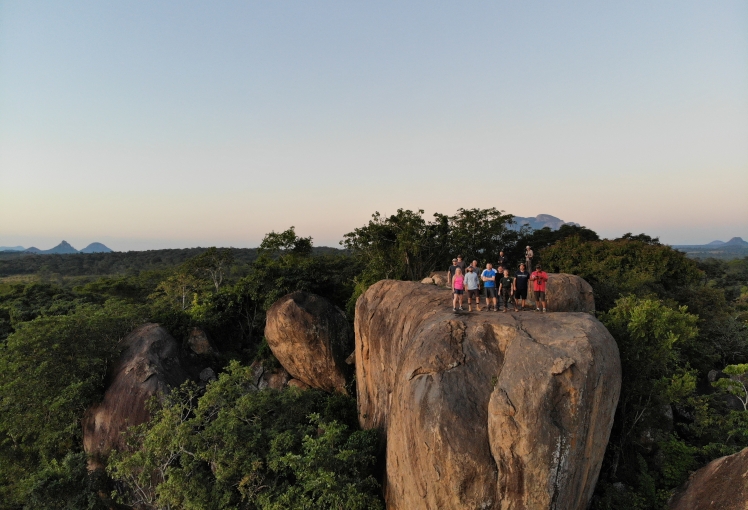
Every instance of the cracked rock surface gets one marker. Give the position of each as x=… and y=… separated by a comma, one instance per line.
x=483, y=410
x=149, y=365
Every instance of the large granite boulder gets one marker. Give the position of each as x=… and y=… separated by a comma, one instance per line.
x=566, y=293
x=723, y=484
x=311, y=338
x=483, y=410
x=149, y=365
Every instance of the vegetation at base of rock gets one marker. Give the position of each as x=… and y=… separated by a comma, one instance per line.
x=680, y=325
x=235, y=447
x=51, y=369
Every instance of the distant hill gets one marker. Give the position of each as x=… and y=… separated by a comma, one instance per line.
x=96, y=248
x=733, y=249
x=735, y=241
x=63, y=248
x=542, y=221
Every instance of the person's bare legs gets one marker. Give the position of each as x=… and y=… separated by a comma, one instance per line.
x=454, y=301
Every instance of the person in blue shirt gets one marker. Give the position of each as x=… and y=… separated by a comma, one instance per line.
x=489, y=282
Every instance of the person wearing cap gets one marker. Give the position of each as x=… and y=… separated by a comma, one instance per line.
x=461, y=264
x=528, y=258
x=451, y=272
x=477, y=271
x=539, y=279
x=472, y=284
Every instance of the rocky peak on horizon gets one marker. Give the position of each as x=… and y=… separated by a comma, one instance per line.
x=542, y=221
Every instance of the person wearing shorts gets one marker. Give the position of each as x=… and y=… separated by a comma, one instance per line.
x=539, y=279
x=458, y=288
x=477, y=271
x=489, y=282
x=472, y=284
x=521, y=280
x=506, y=289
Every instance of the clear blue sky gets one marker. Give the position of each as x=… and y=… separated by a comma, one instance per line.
x=172, y=124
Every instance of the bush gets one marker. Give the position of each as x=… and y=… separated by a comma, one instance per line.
x=238, y=447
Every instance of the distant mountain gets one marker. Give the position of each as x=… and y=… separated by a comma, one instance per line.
x=736, y=241
x=96, y=248
x=542, y=221
x=12, y=248
x=733, y=249
x=33, y=249
x=61, y=249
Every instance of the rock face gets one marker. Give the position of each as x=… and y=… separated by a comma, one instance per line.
x=723, y=484
x=484, y=410
x=149, y=365
x=311, y=338
x=566, y=293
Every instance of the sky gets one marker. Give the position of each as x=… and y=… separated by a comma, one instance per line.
x=165, y=124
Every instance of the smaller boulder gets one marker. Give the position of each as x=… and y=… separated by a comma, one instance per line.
x=149, y=365
x=428, y=281
x=207, y=375
x=720, y=484
x=439, y=278
x=199, y=343
x=311, y=338
x=566, y=293
x=295, y=383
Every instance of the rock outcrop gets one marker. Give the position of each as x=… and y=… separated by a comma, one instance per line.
x=723, y=484
x=483, y=410
x=311, y=338
x=149, y=365
x=566, y=293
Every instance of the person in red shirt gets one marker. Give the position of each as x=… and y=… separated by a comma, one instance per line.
x=539, y=279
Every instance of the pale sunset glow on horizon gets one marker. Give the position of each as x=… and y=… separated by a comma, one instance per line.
x=149, y=125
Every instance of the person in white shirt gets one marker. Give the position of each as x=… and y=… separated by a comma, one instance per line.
x=472, y=284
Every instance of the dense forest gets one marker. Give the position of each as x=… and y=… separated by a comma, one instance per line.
x=681, y=326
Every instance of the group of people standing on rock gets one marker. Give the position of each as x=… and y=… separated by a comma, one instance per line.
x=498, y=284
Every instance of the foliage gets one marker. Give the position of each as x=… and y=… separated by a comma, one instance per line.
x=623, y=266
x=543, y=238
x=404, y=246
x=51, y=369
x=66, y=485
x=242, y=448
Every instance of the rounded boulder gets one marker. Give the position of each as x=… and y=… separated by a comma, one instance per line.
x=311, y=338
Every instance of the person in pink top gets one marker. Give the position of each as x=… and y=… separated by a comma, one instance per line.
x=539, y=279
x=458, y=288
